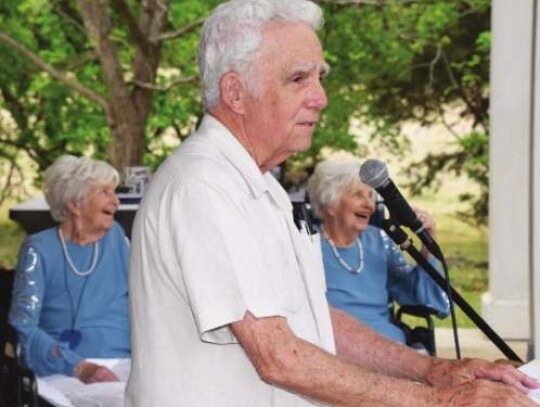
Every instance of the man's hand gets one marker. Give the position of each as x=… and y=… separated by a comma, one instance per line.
x=88, y=373
x=446, y=373
x=483, y=393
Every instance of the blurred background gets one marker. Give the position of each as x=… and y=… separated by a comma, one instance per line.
x=409, y=85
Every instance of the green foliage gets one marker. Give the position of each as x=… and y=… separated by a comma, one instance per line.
x=400, y=61
x=50, y=118
x=11, y=237
x=391, y=62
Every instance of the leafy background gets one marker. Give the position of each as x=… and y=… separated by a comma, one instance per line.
x=409, y=84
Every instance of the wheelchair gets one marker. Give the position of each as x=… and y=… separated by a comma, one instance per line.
x=18, y=386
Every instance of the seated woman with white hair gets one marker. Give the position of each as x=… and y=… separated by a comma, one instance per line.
x=363, y=267
x=70, y=294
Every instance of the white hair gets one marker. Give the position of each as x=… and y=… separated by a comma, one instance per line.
x=66, y=180
x=329, y=181
x=231, y=37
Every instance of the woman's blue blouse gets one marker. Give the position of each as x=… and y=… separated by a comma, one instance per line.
x=49, y=298
x=386, y=274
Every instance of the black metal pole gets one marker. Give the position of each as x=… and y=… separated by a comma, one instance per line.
x=403, y=241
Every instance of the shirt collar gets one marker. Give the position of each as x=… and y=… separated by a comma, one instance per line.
x=237, y=155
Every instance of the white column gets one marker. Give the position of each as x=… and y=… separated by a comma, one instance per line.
x=535, y=277
x=506, y=306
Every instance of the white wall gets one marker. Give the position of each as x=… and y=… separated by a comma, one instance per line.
x=535, y=130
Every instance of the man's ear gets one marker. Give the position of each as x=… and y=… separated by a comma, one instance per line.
x=233, y=92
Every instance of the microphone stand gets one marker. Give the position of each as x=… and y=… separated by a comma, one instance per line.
x=403, y=241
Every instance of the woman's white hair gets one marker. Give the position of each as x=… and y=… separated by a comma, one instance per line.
x=67, y=179
x=329, y=181
x=231, y=37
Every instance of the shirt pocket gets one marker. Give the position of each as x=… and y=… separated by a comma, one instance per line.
x=269, y=226
x=289, y=281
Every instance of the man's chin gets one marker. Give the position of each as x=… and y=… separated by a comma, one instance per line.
x=303, y=145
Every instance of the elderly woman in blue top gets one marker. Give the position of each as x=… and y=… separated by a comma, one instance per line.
x=70, y=298
x=363, y=267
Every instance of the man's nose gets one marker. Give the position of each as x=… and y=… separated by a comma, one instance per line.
x=318, y=98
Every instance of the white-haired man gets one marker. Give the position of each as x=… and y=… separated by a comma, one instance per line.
x=227, y=296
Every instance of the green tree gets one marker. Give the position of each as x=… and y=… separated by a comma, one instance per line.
x=118, y=79
x=87, y=74
x=395, y=61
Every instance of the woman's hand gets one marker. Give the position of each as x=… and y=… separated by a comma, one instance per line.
x=88, y=373
x=429, y=224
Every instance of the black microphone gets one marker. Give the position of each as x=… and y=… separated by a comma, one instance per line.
x=375, y=174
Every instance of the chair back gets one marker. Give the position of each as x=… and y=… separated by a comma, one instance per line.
x=6, y=286
x=18, y=386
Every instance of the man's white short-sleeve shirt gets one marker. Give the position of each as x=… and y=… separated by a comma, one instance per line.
x=214, y=238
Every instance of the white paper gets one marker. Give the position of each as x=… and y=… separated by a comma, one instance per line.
x=52, y=394
x=65, y=391
x=533, y=369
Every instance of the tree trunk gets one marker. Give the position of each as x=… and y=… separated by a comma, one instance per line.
x=127, y=111
x=127, y=136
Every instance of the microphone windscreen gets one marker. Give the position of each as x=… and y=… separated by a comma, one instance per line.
x=374, y=173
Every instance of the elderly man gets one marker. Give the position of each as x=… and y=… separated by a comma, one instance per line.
x=227, y=296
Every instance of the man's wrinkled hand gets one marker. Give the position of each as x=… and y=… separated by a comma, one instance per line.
x=483, y=393
x=448, y=373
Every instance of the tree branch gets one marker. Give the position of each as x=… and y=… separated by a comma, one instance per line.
x=432, y=65
x=9, y=186
x=478, y=114
x=98, y=28
x=449, y=127
x=68, y=17
x=138, y=37
x=60, y=76
x=82, y=60
x=182, y=31
x=177, y=81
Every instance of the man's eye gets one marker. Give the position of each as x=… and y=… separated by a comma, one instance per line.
x=298, y=78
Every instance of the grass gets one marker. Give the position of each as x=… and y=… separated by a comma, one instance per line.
x=465, y=248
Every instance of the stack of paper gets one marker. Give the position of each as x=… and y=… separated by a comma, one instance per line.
x=533, y=369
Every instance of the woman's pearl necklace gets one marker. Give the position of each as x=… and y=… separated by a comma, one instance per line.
x=95, y=251
x=340, y=259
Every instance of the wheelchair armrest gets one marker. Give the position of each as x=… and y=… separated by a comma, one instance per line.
x=422, y=311
x=418, y=335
